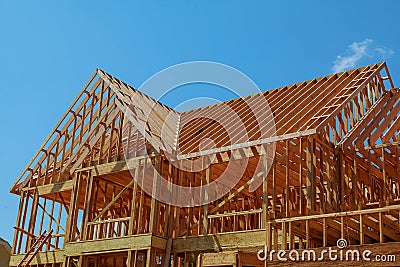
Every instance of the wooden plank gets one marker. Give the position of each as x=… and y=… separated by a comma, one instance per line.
x=168, y=252
x=87, y=205
x=229, y=214
x=52, y=188
x=219, y=241
x=361, y=230
x=310, y=175
x=338, y=214
x=391, y=130
x=155, y=190
x=116, y=166
x=219, y=259
x=206, y=192
x=136, y=242
x=134, y=203
x=269, y=140
x=46, y=257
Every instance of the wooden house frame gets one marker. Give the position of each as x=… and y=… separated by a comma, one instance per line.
x=334, y=174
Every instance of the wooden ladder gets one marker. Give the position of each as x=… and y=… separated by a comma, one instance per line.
x=36, y=247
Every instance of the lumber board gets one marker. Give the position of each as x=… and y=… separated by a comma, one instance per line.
x=56, y=256
x=52, y=188
x=138, y=242
x=216, y=242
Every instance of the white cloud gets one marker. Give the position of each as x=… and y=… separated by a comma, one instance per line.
x=359, y=50
x=384, y=52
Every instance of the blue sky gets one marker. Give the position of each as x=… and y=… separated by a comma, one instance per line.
x=49, y=49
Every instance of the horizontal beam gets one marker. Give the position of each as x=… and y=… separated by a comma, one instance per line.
x=337, y=214
x=377, y=146
x=218, y=242
x=116, y=166
x=56, y=256
x=219, y=259
x=52, y=188
x=246, y=212
x=137, y=242
x=247, y=144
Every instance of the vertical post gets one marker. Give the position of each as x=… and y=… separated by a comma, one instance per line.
x=361, y=223
x=66, y=262
x=23, y=218
x=380, y=228
x=346, y=198
x=338, y=181
x=386, y=187
x=32, y=219
x=81, y=261
x=168, y=252
x=265, y=191
x=177, y=226
x=342, y=227
x=201, y=197
x=273, y=188
x=370, y=180
x=199, y=260
x=265, y=214
x=237, y=261
x=150, y=258
x=284, y=236
x=129, y=261
x=287, y=198
x=397, y=157
x=328, y=180
x=140, y=225
x=310, y=174
x=135, y=258
x=168, y=208
x=133, y=205
x=291, y=236
x=268, y=236
x=275, y=237
x=158, y=171
x=307, y=234
x=186, y=261
x=301, y=204
x=88, y=200
x=322, y=194
x=153, y=205
x=17, y=224
x=356, y=183
x=192, y=181
x=72, y=215
x=324, y=233
x=205, y=218
x=175, y=260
